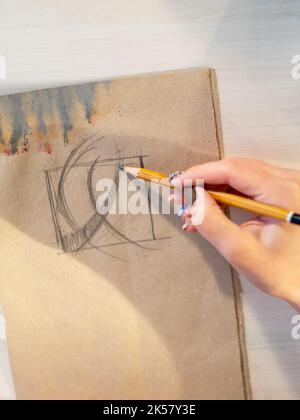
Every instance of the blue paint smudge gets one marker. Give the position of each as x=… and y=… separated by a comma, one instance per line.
x=37, y=104
x=43, y=104
x=86, y=94
x=106, y=84
x=18, y=121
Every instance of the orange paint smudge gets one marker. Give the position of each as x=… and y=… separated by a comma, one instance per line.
x=46, y=148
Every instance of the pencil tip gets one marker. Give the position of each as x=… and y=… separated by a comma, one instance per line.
x=130, y=170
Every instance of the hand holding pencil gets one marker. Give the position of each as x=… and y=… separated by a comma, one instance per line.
x=263, y=250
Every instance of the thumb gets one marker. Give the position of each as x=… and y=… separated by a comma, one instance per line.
x=238, y=246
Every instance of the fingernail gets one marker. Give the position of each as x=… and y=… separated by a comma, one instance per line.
x=176, y=183
x=174, y=179
x=182, y=211
x=185, y=227
x=174, y=175
x=187, y=212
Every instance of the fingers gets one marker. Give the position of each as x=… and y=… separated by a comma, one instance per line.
x=253, y=178
x=253, y=248
x=254, y=227
x=189, y=228
x=235, y=172
x=238, y=246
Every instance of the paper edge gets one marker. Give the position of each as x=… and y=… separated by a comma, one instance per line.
x=236, y=284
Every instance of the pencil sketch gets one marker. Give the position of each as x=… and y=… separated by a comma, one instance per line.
x=95, y=231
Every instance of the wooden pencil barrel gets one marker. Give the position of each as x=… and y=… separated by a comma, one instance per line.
x=250, y=205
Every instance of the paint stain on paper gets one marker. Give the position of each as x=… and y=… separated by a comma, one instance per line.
x=44, y=117
x=106, y=85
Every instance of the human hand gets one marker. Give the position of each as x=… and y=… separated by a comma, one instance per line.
x=265, y=251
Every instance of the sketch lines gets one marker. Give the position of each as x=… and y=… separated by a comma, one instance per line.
x=94, y=230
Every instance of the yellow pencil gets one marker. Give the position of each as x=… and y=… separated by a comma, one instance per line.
x=233, y=200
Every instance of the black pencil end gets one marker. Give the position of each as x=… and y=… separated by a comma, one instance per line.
x=295, y=219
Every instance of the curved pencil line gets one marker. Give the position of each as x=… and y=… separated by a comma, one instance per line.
x=69, y=165
x=61, y=200
x=93, y=200
x=83, y=235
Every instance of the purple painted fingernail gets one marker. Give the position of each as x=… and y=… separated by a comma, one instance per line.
x=174, y=175
x=182, y=211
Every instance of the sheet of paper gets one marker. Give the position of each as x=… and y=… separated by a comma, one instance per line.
x=123, y=306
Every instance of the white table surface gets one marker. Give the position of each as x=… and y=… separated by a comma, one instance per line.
x=7, y=391
x=251, y=44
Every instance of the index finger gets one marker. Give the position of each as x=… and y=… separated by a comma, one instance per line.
x=246, y=176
